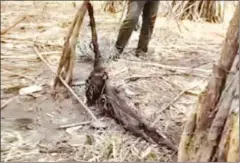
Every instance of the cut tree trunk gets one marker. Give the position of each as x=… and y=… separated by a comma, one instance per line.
x=210, y=11
x=212, y=130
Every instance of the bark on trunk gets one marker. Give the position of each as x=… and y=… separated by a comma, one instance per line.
x=212, y=131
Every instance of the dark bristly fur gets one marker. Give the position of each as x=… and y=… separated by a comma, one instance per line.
x=99, y=92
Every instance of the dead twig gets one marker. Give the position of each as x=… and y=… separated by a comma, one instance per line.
x=74, y=125
x=49, y=44
x=78, y=83
x=171, y=103
x=66, y=85
x=12, y=26
x=158, y=75
x=192, y=93
x=135, y=78
x=29, y=56
x=8, y=101
x=170, y=68
x=20, y=75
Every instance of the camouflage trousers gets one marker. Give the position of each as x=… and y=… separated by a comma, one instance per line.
x=149, y=9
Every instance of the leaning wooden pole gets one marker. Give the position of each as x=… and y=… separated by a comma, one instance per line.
x=66, y=63
x=212, y=130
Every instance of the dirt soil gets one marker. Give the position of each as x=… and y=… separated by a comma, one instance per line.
x=30, y=122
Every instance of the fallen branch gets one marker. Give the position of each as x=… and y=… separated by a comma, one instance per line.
x=12, y=26
x=137, y=77
x=169, y=104
x=19, y=57
x=30, y=41
x=20, y=75
x=192, y=93
x=8, y=101
x=74, y=125
x=66, y=85
x=171, y=68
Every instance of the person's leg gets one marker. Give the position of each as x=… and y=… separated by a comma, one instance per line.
x=134, y=10
x=150, y=11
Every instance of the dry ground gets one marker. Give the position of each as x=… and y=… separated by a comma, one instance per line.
x=29, y=123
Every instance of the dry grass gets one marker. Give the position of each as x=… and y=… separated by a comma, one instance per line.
x=182, y=44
